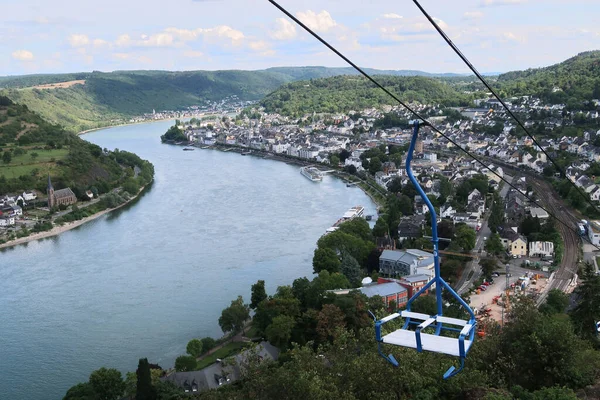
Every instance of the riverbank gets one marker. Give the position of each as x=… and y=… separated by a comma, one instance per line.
x=57, y=230
x=290, y=160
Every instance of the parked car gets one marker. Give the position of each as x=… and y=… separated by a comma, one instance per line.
x=495, y=274
x=483, y=287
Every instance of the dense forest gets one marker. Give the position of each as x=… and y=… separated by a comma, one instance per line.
x=573, y=81
x=344, y=93
x=32, y=148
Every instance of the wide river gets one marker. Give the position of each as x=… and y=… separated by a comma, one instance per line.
x=144, y=280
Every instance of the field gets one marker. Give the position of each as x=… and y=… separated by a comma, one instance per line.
x=60, y=85
x=24, y=164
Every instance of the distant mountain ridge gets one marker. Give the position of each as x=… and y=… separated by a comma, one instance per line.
x=105, y=97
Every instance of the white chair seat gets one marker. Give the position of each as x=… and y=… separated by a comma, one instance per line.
x=436, y=344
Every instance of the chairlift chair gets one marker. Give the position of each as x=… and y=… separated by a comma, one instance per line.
x=405, y=337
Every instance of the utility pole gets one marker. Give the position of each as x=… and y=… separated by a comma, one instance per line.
x=506, y=291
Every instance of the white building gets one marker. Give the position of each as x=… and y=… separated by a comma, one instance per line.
x=7, y=221
x=541, y=249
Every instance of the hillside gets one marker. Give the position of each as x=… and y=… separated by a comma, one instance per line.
x=32, y=148
x=345, y=93
x=576, y=79
x=106, y=97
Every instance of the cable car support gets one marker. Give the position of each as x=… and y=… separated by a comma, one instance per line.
x=434, y=342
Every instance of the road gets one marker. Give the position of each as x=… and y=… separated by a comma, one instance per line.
x=464, y=283
x=567, y=271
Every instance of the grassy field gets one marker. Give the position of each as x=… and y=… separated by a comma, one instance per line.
x=228, y=350
x=24, y=164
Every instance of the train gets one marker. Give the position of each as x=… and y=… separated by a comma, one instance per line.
x=583, y=227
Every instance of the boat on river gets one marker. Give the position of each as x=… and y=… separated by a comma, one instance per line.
x=311, y=173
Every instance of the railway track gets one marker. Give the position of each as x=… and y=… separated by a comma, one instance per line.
x=564, y=275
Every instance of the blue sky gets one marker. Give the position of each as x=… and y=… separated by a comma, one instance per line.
x=497, y=35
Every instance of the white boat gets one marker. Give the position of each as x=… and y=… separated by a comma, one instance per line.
x=354, y=212
x=312, y=173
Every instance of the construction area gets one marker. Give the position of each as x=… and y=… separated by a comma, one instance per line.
x=491, y=299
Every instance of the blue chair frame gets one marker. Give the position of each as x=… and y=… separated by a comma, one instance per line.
x=469, y=327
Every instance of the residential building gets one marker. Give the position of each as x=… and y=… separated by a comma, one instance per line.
x=409, y=228
x=398, y=263
x=519, y=247
x=218, y=374
x=390, y=291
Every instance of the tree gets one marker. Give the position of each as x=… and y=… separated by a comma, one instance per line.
x=556, y=302
x=344, y=154
x=351, y=269
x=234, y=317
x=395, y=185
x=34, y=155
x=334, y=159
x=185, y=363
x=494, y=244
x=208, y=344
x=587, y=311
x=280, y=330
x=374, y=165
x=325, y=259
x=107, y=383
x=6, y=157
x=81, y=391
x=465, y=238
x=330, y=319
x=194, y=348
x=144, y=388
x=358, y=227
x=488, y=266
x=258, y=294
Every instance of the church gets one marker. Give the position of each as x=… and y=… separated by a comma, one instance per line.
x=60, y=197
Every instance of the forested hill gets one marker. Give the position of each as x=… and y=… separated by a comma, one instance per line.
x=576, y=79
x=343, y=93
x=32, y=148
x=91, y=99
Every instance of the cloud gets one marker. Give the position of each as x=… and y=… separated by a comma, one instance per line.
x=22, y=55
x=100, y=43
x=321, y=22
x=193, y=53
x=224, y=32
x=259, y=45
x=78, y=40
x=285, y=30
x=489, y=3
x=511, y=37
x=121, y=56
x=391, y=16
x=473, y=15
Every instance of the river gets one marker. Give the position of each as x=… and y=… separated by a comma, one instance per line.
x=144, y=280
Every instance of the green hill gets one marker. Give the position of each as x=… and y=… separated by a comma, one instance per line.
x=574, y=80
x=343, y=93
x=32, y=148
x=100, y=99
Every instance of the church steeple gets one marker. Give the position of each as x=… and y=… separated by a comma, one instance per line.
x=51, y=199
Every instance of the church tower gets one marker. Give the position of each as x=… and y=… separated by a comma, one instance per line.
x=51, y=199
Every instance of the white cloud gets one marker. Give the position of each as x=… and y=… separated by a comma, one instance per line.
x=321, y=22
x=157, y=40
x=123, y=41
x=473, y=15
x=121, y=56
x=488, y=3
x=285, y=30
x=259, y=45
x=391, y=16
x=100, y=43
x=193, y=53
x=22, y=55
x=78, y=40
x=224, y=32
x=511, y=37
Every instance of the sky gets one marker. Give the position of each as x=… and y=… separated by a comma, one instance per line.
x=497, y=35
